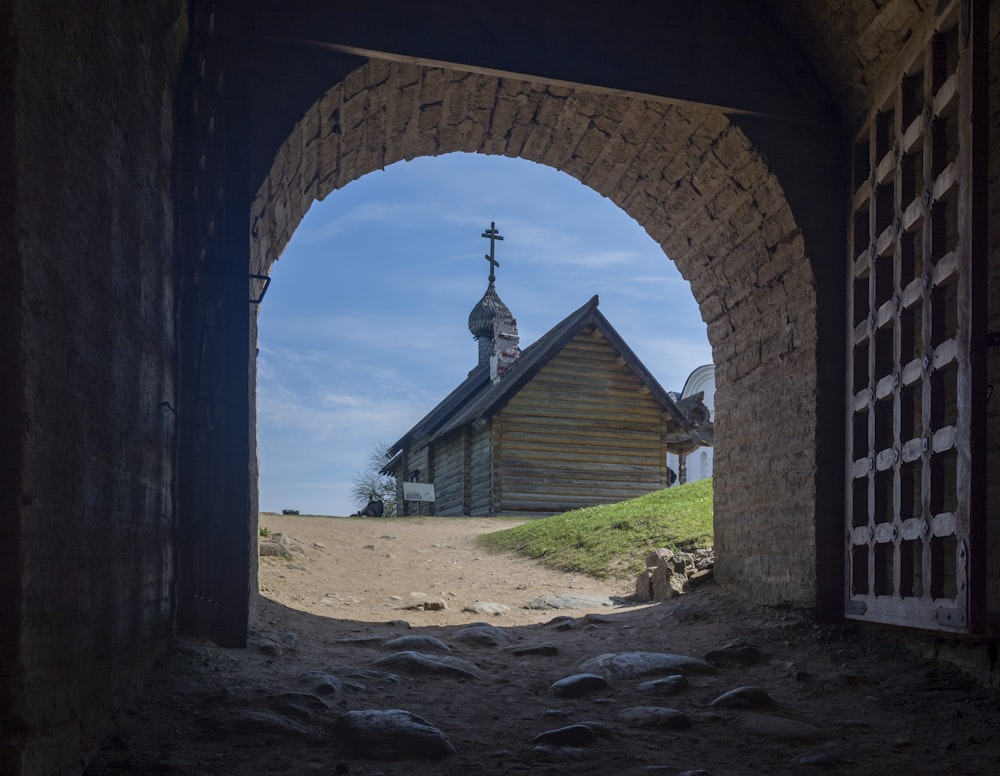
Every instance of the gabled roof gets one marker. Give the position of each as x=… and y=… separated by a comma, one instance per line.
x=479, y=398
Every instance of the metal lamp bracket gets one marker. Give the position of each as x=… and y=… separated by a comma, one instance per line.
x=263, y=289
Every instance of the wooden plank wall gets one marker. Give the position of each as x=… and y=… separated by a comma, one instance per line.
x=582, y=432
x=449, y=475
x=481, y=473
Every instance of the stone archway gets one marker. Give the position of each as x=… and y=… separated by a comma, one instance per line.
x=696, y=184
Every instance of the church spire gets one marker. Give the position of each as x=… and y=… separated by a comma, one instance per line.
x=491, y=322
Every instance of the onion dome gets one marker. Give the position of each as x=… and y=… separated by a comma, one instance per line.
x=486, y=310
x=481, y=320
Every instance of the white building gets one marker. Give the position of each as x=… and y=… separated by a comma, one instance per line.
x=696, y=465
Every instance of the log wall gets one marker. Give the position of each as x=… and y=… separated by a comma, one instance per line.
x=582, y=432
x=449, y=475
x=481, y=472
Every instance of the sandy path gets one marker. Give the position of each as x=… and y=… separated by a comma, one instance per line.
x=366, y=569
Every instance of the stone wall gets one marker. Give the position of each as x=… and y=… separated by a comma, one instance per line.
x=12, y=419
x=993, y=360
x=89, y=290
x=699, y=187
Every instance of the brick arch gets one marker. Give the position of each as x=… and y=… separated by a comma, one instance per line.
x=696, y=184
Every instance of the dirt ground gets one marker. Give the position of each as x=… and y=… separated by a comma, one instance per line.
x=843, y=698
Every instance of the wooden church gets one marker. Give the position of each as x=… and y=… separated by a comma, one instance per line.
x=571, y=421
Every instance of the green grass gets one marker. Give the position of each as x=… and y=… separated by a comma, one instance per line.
x=612, y=540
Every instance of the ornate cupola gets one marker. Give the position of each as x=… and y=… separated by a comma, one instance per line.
x=481, y=319
x=491, y=322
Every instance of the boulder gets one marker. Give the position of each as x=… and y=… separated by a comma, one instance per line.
x=415, y=663
x=626, y=665
x=486, y=607
x=271, y=549
x=417, y=643
x=643, y=588
x=568, y=601
x=665, y=583
x=667, y=573
x=658, y=556
x=392, y=734
x=482, y=635
x=578, y=685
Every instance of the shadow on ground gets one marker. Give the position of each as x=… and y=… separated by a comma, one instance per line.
x=828, y=698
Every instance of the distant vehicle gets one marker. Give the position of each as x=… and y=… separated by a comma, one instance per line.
x=289, y=511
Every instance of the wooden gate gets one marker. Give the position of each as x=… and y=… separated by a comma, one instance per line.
x=916, y=392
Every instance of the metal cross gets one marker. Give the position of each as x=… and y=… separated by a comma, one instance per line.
x=493, y=234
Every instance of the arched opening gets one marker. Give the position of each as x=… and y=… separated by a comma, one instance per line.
x=696, y=184
x=364, y=327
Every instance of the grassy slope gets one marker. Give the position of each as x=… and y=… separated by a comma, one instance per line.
x=612, y=540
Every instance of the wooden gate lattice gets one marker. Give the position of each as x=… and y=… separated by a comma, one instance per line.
x=910, y=395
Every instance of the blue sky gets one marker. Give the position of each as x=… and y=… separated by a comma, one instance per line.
x=365, y=325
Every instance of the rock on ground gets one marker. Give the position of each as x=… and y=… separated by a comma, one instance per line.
x=392, y=734
x=620, y=665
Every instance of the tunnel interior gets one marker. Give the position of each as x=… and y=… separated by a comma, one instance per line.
x=184, y=142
